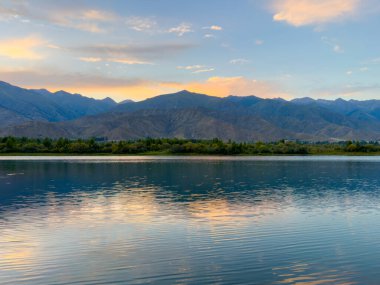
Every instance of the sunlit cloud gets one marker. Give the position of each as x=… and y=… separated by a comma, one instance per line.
x=22, y=48
x=313, y=12
x=90, y=59
x=130, y=61
x=182, y=29
x=96, y=15
x=53, y=46
x=213, y=28
x=88, y=20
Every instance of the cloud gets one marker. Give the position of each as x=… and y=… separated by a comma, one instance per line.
x=239, y=61
x=59, y=14
x=224, y=86
x=209, y=36
x=129, y=61
x=53, y=46
x=22, y=48
x=143, y=53
x=313, y=12
x=90, y=59
x=333, y=43
x=213, y=28
x=96, y=15
x=197, y=68
x=191, y=67
x=141, y=24
x=203, y=70
x=373, y=61
x=182, y=29
x=259, y=42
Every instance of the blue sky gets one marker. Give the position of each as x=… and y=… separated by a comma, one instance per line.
x=141, y=48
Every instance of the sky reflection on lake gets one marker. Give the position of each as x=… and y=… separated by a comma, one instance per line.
x=189, y=222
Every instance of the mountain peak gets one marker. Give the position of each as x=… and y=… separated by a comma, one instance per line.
x=303, y=100
x=184, y=92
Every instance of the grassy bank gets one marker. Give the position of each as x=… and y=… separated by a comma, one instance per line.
x=29, y=146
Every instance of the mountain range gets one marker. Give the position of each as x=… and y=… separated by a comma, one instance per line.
x=40, y=113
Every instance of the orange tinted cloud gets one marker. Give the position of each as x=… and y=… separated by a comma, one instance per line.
x=21, y=48
x=308, y=12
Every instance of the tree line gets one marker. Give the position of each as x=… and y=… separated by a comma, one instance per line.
x=180, y=146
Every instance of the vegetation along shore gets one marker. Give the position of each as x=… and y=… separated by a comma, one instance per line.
x=162, y=146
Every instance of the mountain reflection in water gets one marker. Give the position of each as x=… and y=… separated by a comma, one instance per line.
x=190, y=222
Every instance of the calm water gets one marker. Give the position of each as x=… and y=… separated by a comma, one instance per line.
x=190, y=221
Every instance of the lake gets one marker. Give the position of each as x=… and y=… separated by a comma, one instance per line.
x=189, y=220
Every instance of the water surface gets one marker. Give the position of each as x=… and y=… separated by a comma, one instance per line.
x=198, y=220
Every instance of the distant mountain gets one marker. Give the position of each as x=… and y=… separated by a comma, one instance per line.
x=198, y=116
x=18, y=105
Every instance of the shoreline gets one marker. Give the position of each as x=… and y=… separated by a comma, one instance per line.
x=348, y=154
x=195, y=158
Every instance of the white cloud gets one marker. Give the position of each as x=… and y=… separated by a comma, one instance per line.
x=191, y=67
x=313, y=12
x=333, y=44
x=141, y=24
x=203, y=70
x=182, y=29
x=239, y=61
x=196, y=68
x=259, y=42
x=209, y=36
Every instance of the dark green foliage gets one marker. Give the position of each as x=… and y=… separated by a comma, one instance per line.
x=181, y=146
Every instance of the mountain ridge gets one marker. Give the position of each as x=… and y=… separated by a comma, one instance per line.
x=186, y=114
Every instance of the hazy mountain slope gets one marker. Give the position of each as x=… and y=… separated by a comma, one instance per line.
x=76, y=105
x=185, y=123
x=18, y=105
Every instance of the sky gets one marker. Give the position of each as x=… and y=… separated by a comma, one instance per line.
x=136, y=49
